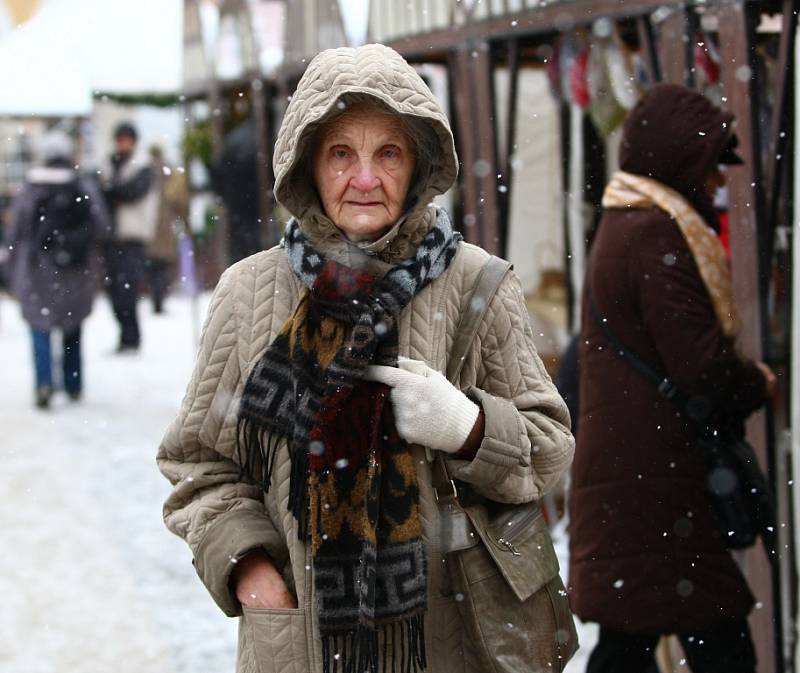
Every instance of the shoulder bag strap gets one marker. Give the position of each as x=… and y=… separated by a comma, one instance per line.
x=484, y=290
x=665, y=387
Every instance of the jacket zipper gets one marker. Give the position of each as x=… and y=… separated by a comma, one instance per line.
x=510, y=546
x=514, y=528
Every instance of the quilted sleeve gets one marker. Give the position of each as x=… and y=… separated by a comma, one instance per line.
x=219, y=516
x=527, y=444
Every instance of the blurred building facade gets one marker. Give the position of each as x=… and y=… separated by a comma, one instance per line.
x=63, y=71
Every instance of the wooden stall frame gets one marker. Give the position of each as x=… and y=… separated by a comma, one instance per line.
x=748, y=203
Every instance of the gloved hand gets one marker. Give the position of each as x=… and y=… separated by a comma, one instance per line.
x=428, y=409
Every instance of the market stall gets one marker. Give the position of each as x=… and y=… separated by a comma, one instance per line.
x=523, y=73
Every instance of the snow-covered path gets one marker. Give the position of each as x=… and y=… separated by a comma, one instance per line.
x=90, y=580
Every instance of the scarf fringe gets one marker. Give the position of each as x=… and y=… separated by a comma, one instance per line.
x=298, y=491
x=256, y=449
x=256, y=452
x=359, y=651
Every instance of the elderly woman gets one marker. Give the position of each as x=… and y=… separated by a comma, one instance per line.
x=302, y=480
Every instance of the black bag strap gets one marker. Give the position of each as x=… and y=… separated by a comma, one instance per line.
x=745, y=458
x=665, y=387
x=489, y=280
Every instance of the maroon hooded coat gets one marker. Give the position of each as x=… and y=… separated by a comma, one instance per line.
x=646, y=555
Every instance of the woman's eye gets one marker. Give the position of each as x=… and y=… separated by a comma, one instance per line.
x=391, y=152
x=340, y=153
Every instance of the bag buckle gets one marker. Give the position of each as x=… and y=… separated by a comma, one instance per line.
x=453, y=495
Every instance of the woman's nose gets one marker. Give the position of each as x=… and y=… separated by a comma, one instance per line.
x=365, y=179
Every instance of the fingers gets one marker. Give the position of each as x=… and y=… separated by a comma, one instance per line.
x=417, y=367
x=258, y=584
x=279, y=598
x=769, y=377
x=270, y=599
x=288, y=600
x=391, y=376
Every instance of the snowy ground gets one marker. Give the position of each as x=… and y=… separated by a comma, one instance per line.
x=90, y=580
x=587, y=633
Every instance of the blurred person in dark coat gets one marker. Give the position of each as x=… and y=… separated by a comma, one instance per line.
x=646, y=554
x=128, y=181
x=235, y=179
x=56, y=220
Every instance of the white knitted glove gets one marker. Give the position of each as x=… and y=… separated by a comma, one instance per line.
x=428, y=409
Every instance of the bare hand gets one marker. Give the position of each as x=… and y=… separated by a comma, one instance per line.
x=258, y=584
x=769, y=377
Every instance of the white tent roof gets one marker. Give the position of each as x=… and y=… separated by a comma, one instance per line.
x=51, y=65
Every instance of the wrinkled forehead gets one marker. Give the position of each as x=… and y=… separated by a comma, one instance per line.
x=364, y=123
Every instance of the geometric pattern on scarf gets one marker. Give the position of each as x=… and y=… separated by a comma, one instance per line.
x=353, y=487
x=626, y=190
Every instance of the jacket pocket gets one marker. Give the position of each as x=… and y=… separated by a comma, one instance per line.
x=277, y=638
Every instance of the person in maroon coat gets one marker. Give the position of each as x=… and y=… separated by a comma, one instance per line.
x=646, y=554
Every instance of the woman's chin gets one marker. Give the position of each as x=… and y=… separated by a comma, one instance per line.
x=361, y=229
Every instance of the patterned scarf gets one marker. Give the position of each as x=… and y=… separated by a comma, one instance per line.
x=626, y=190
x=353, y=486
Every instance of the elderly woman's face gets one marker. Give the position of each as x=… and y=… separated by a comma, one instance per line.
x=362, y=169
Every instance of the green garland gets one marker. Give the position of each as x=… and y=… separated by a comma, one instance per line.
x=197, y=141
x=152, y=99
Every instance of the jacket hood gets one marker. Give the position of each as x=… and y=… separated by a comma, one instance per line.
x=675, y=135
x=51, y=175
x=331, y=78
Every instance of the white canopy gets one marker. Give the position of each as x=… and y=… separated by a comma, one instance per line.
x=51, y=65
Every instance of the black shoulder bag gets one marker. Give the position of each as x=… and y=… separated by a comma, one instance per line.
x=66, y=233
x=739, y=491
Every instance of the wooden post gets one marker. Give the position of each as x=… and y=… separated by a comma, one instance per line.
x=735, y=48
x=462, y=99
x=504, y=198
x=573, y=292
x=674, y=66
x=647, y=43
x=692, y=28
x=482, y=73
x=781, y=116
x=471, y=70
x=794, y=393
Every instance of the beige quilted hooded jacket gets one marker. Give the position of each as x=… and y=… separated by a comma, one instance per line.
x=527, y=444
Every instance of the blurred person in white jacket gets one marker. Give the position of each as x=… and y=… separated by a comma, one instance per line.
x=128, y=182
